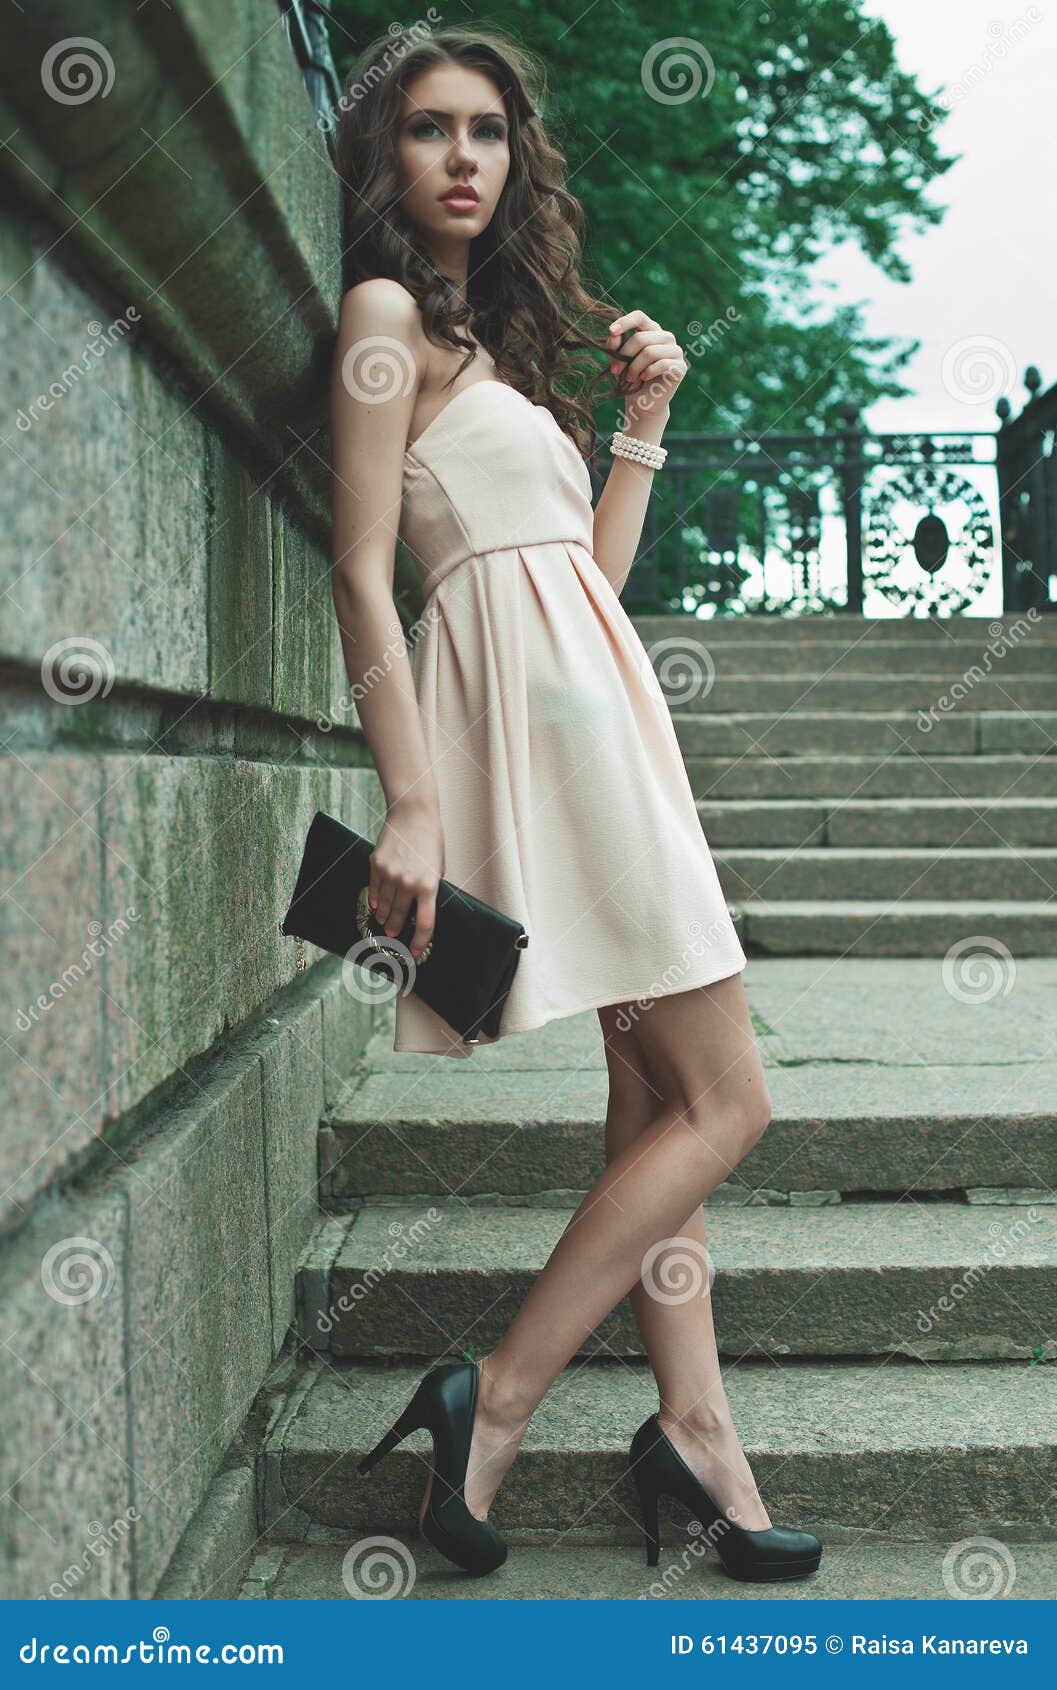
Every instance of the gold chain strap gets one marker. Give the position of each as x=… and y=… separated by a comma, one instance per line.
x=374, y=932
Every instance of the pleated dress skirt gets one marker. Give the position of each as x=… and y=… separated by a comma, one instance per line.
x=564, y=800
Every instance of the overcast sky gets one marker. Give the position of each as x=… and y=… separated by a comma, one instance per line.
x=982, y=297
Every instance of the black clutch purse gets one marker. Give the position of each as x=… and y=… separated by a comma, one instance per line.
x=467, y=968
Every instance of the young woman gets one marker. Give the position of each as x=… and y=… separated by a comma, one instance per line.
x=526, y=750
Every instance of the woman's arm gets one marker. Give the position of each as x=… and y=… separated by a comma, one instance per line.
x=655, y=369
x=379, y=323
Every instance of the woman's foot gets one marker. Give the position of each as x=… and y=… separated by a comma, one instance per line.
x=498, y=1428
x=709, y=1445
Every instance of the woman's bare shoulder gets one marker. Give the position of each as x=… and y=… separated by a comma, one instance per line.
x=380, y=305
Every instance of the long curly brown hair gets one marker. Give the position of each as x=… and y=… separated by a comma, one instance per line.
x=531, y=312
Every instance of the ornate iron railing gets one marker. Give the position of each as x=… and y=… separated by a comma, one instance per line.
x=1027, y=496
x=848, y=519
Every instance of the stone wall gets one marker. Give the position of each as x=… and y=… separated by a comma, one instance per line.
x=175, y=710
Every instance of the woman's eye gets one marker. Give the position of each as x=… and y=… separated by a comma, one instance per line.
x=421, y=129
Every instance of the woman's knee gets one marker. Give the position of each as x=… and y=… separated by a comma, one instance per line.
x=733, y=1120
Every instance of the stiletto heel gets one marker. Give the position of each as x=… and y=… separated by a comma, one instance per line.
x=760, y=1557
x=648, y=1505
x=409, y=1421
x=444, y=1404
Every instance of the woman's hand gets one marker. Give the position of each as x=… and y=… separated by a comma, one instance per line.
x=406, y=864
x=650, y=365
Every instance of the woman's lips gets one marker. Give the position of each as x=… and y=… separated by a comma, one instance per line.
x=461, y=202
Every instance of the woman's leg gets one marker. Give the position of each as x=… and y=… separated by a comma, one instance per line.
x=672, y=1305
x=702, y=1053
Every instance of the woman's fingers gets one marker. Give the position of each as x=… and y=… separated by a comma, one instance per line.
x=655, y=344
x=426, y=915
x=395, y=898
x=397, y=904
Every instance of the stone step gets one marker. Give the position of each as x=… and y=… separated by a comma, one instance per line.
x=849, y=873
x=1013, y=631
x=694, y=688
x=935, y=1281
x=943, y=1079
x=986, y=776
x=852, y=1568
x=761, y=733
x=961, y=661
x=838, y=1127
x=966, y=1448
x=998, y=823
x=908, y=927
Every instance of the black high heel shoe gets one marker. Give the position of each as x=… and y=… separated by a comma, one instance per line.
x=759, y=1557
x=445, y=1403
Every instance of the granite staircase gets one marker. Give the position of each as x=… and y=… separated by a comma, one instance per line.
x=886, y=1257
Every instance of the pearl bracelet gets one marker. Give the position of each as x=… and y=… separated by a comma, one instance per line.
x=639, y=451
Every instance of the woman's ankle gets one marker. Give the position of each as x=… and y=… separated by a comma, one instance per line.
x=502, y=1398
x=706, y=1421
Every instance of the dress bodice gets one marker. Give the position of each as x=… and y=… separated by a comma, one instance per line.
x=490, y=472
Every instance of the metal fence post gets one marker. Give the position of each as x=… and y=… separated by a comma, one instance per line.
x=851, y=473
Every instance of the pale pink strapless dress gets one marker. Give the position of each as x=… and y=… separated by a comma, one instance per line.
x=563, y=795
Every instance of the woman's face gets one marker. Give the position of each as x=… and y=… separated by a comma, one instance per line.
x=452, y=135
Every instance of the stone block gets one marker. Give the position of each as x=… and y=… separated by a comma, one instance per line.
x=210, y=849
x=56, y=933
x=105, y=496
x=240, y=583
x=212, y=1554
x=303, y=623
x=199, y=1299
x=292, y=1093
x=347, y=1026
x=69, y=1495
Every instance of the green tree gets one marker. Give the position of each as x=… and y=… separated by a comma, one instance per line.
x=719, y=152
